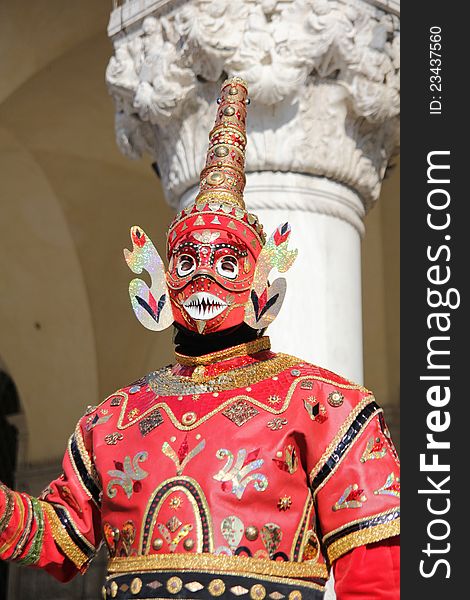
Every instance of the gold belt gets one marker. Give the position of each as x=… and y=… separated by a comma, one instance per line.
x=218, y=562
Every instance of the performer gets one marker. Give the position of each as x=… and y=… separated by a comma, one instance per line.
x=236, y=471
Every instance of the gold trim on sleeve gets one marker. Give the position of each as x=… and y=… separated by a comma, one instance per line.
x=62, y=538
x=362, y=537
x=90, y=467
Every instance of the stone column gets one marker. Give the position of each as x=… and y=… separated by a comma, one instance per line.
x=322, y=125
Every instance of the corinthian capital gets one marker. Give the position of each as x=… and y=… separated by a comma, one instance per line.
x=323, y=78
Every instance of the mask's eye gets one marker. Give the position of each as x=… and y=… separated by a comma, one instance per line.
x=185, y=265
x=227, y=266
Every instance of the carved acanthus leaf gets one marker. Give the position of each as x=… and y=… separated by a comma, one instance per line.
x=323, y=78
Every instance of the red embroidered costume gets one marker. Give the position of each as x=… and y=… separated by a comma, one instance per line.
x=233, y=473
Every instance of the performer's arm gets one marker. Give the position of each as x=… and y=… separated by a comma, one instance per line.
x=60, y=532
x=356, y=489
x=370, y=572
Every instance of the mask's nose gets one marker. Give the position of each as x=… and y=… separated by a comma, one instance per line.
x=202, y=278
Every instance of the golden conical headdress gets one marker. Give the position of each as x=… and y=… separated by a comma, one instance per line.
x=223, y=177
x=219, y=203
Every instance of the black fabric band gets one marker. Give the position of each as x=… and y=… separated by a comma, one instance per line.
x=344, y=444
x=194, y=344
x=366, y=524
x=205, y=586
x=69, y=528
x=86, y=478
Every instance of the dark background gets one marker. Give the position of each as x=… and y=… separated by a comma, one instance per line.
x=422, y=133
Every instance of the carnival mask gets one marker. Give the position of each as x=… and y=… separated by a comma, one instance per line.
x=213, y=281
x=209, y=280
x=219, y=260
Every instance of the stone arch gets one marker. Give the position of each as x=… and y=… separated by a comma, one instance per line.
x=47, y=335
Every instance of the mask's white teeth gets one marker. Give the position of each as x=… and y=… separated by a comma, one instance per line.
x=204, y=306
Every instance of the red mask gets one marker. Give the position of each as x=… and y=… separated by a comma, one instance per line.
x=209, y=279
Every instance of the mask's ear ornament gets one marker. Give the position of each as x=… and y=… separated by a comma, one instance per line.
x=266, y=300
x=151, y=305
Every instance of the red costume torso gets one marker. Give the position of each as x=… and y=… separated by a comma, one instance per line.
x=258, y=463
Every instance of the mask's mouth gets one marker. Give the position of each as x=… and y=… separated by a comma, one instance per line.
x=204, y=306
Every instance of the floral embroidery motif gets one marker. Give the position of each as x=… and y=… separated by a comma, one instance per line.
x=391, y=487
x=352, y=497
x=276, y=423
x=290, y=462
x=238, y=472
x=113, y=438
x=274, y=399
x=315, y=409
x=375, y=449
x=128, y=475
x=183, y=456
x=240, y=412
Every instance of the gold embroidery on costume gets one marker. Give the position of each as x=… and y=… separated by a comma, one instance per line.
x=127, y=475
x=253, y=347
x=290, y=462
x=219, y=563
x=61, y=537
x=276, y=423
x=362, y=537
x=195, y=496
x=315, y=409
x=391, y=487
x=284, y=503
x=184, y=455
x=352, y=497
x=240, y=412
x=237, y=472
x=374, y=449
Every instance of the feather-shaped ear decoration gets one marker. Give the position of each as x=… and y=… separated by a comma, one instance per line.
x=265, y=300
x=151, y=305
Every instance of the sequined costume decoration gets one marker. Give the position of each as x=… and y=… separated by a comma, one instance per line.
x=307, y=448
x=242, y=472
